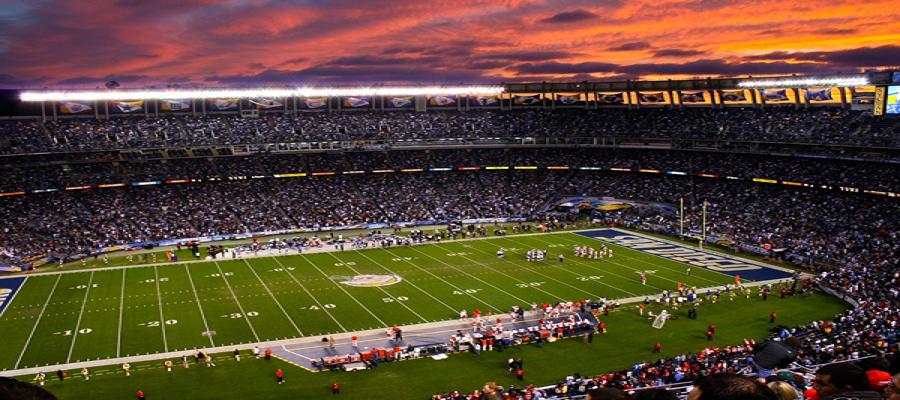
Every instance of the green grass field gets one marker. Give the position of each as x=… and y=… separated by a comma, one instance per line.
x=107, y=313
x=629, y=340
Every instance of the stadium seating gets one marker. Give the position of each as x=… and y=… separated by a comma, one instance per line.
x=785, y=124
x=822, y=222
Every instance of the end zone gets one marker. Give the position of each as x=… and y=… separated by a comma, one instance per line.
x=710, y=260
x=8, y=289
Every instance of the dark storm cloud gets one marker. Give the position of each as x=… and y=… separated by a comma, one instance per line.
x=677, y=53
x=631, y=46
x=570, y=16
x=859, y=57
x=721, y=67
x=697, y=68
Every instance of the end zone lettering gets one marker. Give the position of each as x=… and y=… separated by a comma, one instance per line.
x=681, y=254
x=8, y=288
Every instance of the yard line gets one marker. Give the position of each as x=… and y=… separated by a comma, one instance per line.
x=554, y=279
x=461, y=290
x=273, y=297
x=240, y=307
x=473, y=276
x=382, y=290
x=608, y=271
x=321, y=307
x=513, y=277
x=34, y=328
x=625, y=266
x=199, y=307
x=410, y=282
x=659, y=266
x=162, y=320
x=80, y=313
x=121, y=309
x=338, y=285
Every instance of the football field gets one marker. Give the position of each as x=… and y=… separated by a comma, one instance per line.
x=111, y=312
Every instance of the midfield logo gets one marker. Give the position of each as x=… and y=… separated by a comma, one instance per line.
x=368, y=280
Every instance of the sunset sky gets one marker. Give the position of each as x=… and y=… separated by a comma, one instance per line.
x=257, y=42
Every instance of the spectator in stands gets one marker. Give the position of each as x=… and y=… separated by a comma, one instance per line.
x=842, y=381
x=730, y=387
x=784, y=390
x=773, y=354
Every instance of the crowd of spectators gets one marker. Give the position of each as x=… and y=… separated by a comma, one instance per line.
x=857, y=174
x=816, y=225
x=784, y=124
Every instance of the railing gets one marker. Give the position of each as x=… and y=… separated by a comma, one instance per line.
x=810, y=150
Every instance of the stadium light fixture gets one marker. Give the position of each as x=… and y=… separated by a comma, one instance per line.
x=123, y=95
x=805, y=82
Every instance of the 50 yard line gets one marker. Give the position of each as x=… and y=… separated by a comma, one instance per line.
x=338, y=285
x=38, y=322
x=382, y=290
x=408, y=281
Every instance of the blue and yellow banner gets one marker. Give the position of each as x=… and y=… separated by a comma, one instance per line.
x=775, y=95
x=652, y=97
x=698, y=97
x=484, y=101
x=312, y=103
x=734, y=96
x=356, y=102
x=824, y=95
x=442, y=101
x=533, y=100
x=127, y=106
x=75, y=107
x=222, y=104
x=398, y=102
x=175, y=105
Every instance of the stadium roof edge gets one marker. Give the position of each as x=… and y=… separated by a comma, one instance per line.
x=858, y=79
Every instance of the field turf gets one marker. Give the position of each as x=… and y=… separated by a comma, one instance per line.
x=629, y=340
x=106, y=313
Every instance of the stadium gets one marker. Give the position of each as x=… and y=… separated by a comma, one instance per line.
x=614, y=230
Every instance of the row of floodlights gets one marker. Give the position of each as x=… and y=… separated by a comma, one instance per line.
x=806, y=82
x=107, y=95
x=123, y=95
